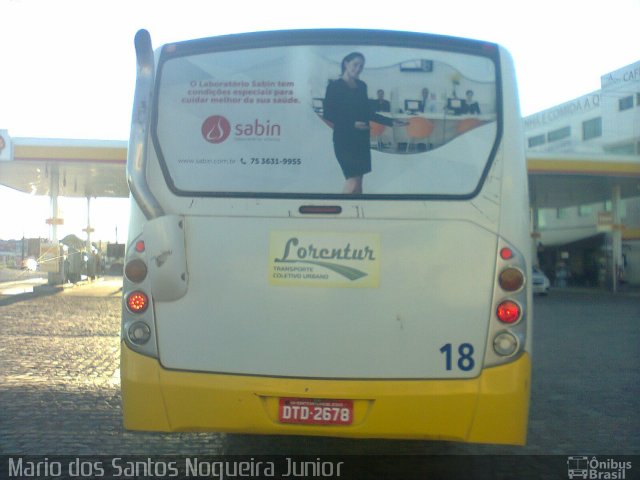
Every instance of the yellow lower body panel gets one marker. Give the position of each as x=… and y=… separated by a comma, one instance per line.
x=492, y=408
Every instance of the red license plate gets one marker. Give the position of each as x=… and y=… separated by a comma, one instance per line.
x=308, y=411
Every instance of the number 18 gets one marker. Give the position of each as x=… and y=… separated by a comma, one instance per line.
x=465, y=356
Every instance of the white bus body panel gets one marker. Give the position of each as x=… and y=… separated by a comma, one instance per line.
x=434, y=289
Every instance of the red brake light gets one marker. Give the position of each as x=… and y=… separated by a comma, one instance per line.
x=140, y=246
x=509, y=312
x=506, y=253
x=320, y=209
x=137, y=302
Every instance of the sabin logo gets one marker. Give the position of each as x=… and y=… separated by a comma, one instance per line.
x=216, y=129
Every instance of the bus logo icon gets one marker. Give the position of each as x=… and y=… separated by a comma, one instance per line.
x=216, y=129
x=583, y=467
x=578, y=467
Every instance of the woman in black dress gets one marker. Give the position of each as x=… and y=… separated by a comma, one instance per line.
x=347, y=107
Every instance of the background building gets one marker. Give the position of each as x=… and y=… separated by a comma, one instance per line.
x=594, y=142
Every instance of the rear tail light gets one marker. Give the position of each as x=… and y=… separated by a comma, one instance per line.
x=509, y=312
x=136, y=270
x=137, y=302
x=140, y=246
x=506, y=253
x=509, y=324
x=511, y=279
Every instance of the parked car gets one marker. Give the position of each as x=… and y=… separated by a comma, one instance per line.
x=540, y=282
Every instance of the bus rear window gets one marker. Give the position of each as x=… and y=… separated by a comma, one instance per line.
x=301, y=120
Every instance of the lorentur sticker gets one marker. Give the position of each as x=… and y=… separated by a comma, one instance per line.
x=317, y=259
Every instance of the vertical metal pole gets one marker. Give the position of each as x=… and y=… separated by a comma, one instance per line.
x=616, y=236
x=54, y=190
x=91, y=267
x=88, y=225
x=535, y=225
x=535, y=235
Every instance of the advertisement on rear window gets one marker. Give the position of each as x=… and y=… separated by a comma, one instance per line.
x=326, y=120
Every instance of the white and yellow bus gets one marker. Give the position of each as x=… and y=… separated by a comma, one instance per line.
x=329, y=236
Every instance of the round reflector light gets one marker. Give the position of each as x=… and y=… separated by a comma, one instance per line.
x=511, y=279
x=137, y=302
x=136, y=270
x=140, y=246
x=509, y=312
x=505, y=344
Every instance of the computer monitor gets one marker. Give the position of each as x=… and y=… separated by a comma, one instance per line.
x=412, y=106
x=454, y=105
x=318, y=105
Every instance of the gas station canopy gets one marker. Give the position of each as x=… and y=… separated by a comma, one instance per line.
x=83, y=168
x=563, y=180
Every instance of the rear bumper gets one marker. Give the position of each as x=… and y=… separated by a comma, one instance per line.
x=492, y=408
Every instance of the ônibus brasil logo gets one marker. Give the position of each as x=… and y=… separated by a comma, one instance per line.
x=216, y=129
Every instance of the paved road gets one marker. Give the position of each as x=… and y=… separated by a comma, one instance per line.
x=59, y=384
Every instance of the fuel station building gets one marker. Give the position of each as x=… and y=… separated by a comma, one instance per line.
x=584, y=177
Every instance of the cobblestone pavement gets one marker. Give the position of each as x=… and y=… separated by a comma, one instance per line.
x=59, y=379
x=60, y=392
